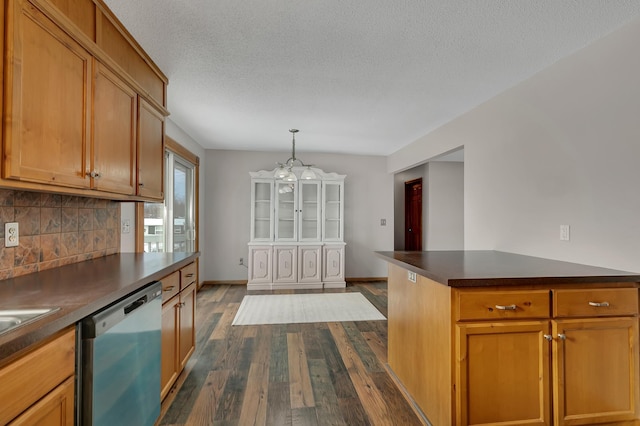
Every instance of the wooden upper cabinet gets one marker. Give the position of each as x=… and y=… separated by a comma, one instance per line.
x=150, y=151
x=81, y=12
x=120, y=47
x=114, y=133
x=47, y=106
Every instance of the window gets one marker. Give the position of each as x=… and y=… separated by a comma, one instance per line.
x=172, y=226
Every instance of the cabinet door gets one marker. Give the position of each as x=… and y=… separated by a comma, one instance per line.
x=114, y=133
x=309, y=210
x=47, y=107
x=169, y=355
x=259, y=264
x=333, y=263
x=333, y=211
x=286, y=211
x=55, y=409
x=285, y=264
x=187, y=339
x=261, y=210
x=309, y=264
x=502, y=373
x=595, y=370
x=150, y=153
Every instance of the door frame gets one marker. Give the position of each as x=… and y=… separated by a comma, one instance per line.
x=408, y=190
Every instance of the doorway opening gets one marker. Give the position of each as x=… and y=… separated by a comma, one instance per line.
x=413, y=215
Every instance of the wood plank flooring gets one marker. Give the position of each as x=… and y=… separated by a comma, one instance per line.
x=286, y=374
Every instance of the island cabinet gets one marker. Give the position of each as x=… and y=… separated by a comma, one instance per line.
x=563, y=354
x=83, y=106
x=38, y=388
x=178, y=324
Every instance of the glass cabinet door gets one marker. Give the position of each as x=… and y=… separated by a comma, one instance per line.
x=286, y=211
x=309, y=209
x=261, y=209
x=332, y=227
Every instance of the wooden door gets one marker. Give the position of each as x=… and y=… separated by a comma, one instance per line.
x=187, y=339
x=114, y=133
x=413, y=215
x=150, y=155
x=55, y=409
x=169, y=354
x=47, y=106
x=503, y=373
x=595, y=373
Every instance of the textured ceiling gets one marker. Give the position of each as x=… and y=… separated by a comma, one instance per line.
x=362, y=77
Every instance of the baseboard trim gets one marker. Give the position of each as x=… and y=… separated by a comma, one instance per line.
x=365, y=279
x=229, y=282
x=244, y=282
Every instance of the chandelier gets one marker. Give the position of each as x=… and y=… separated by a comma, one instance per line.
x=285, y=170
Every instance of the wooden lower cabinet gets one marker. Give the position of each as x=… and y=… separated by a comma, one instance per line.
x=187, y=317
x=504, y=373
x=170, y=327
x=38, y=388
x=178, y=325
x=57, y=408
x=595, y=370
x=508, y=355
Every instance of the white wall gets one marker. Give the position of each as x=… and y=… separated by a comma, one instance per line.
x=560, y=148
x=368, y=191
x=444, y=195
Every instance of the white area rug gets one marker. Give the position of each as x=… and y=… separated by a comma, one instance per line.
x=293, y=308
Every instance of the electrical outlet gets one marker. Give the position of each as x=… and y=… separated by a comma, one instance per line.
x=241, y=261
x=564, y=233
x=11, y=234
x=126, y=226
x=412, y=276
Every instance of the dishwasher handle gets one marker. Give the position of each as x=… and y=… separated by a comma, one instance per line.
x=135, y=305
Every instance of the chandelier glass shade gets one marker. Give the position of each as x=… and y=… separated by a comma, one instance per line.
x=285, y=170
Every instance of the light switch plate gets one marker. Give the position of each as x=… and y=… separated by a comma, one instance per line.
x=11, y=234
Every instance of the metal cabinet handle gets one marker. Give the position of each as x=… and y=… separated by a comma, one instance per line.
x=506, y=307
x=170, y=288
x=599, y=304
x=189, y=275
x=548, y=337
x=140, y=184
x=562, y=336
x=94, y=174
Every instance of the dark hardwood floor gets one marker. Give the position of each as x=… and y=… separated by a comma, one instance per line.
x=290, y=374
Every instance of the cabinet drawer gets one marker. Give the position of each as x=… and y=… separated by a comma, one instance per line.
x=188, y=275
x=170, y=286
x=595, y=302
x=491, y=305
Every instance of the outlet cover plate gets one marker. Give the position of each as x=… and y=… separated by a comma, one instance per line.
x=11, y=234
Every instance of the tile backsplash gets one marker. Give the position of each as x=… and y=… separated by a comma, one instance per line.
x=56, y=230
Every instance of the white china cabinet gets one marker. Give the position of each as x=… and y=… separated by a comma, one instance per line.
x=297, y=231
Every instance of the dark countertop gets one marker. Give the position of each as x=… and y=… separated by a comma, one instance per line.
x=79, y=290
x=493, y=268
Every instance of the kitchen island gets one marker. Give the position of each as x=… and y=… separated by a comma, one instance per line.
x=479, y=337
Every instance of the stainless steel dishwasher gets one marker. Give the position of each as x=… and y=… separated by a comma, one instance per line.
x=119, y=374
